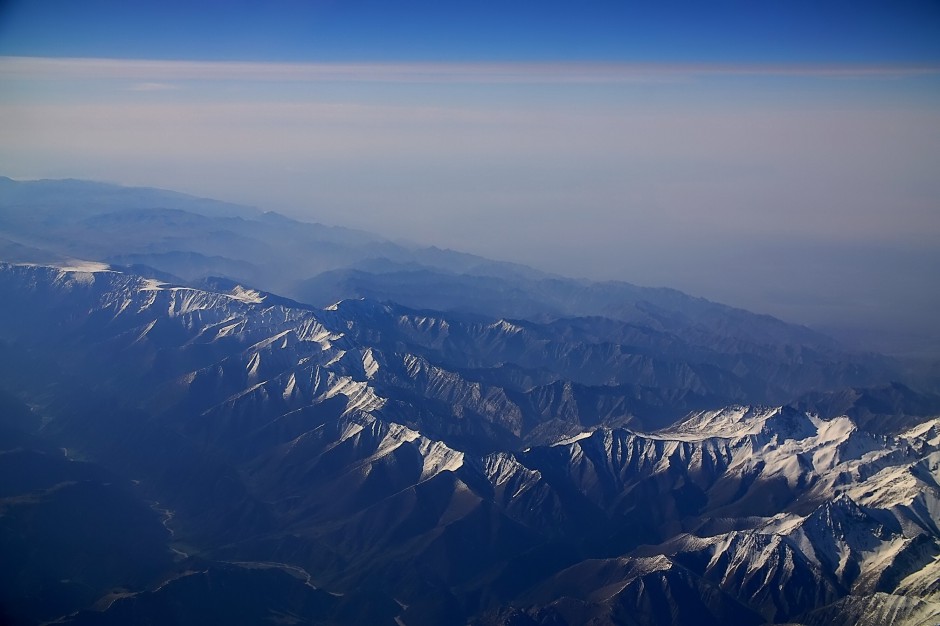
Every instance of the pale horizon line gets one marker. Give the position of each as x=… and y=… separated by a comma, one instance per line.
x=548, y=72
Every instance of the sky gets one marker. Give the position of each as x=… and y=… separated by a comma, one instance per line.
x=779, y=156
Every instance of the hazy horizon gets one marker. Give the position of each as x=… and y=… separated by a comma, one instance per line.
x=760, y=158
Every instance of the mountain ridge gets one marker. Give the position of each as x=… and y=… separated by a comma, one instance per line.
x=337, y=428
x=380, y=447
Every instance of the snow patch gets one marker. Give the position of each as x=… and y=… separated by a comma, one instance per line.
x=244, y=294
x=369, y=363
x=578, y=437
x=76, y=265
x=506, y=327
x=361, y=397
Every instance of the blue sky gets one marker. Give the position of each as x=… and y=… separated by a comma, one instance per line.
x=780, y=156
x=548, y=30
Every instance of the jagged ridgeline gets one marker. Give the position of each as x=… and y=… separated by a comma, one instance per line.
x=182, y=454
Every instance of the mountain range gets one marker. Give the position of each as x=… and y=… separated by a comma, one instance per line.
x=215, y=414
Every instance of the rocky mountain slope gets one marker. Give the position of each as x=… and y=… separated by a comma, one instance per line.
x=369, y=462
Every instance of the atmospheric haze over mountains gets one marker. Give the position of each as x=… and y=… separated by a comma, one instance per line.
x=805, y=192
x=210, y=413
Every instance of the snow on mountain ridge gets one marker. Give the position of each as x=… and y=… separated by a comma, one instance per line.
x=739, y=421
x=814, y=507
